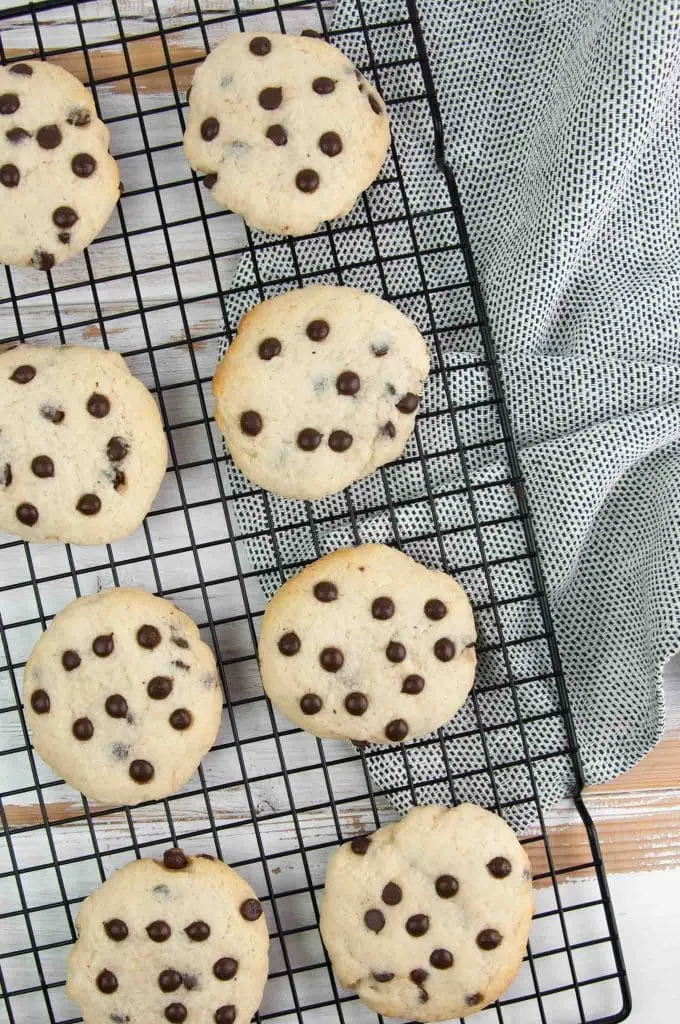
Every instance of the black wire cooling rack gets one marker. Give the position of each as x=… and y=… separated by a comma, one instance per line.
x=164, y=284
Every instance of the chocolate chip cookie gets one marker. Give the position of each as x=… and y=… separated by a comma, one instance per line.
x=285, y=129
x=58, y=183
x=319, y=388
x=429, y=918
x=184, y=939
x=82, y=447
x=122, y=696
x=368, y=645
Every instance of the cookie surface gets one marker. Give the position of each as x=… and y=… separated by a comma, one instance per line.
x=58, y=182
x=286, y=131
x=82, y=447
x=319, y=388
x=182, y=939
x=122, y=696
x=429, y=918
x=367, y=644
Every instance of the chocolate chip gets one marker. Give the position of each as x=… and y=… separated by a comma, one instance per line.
x=79, y=117
x=159, y=687
x=382, y=608
x=413, y=684
x=148, y=637
x=198, y=931
x=311, y=33
x=225, y=1014
x=331, y=659
x=141, y=771
x=116, y=449
x=83, y=165
x=489, y=938
x=330, y=143
x=209, y=180
x=107, y=982
x=289, y=644
x=70, y=660
x=277, y=134
x=391, y=894
x=311, y=704
x=83, y=729
x=27, y=514
x=158, y=931
x=103, y=645
x=116, y=706
x=169, y=980
x=49, y=136
x=176, y=1013
x=348, y=383
x=325, y=591
x=418, y=976
x=251, y=423
x=374, y=920
x=64, y=237
x=9, y=103
x=21, y=69
x=499, y=867
x=89, y=504
x=309, y=439
x=382, y=975
x=98, y=405
x=16, y=135
x=42, y=466
x=441, y=959
x=388, y=429
x=209, y=129
x=307, y=180
x=271, y=98
x=175, y=859
x=116, y=929
x=54, y=415
x=395, y=651
x=396, y=730
x=9, y=175
x=444, y=649
x=446, y=886
x=190, y=980
x=435, y=609
x=417, y=924
x=408, y=403
x=6, y=478
x=323, y=86
x=361, y=844
x=379, y=350
x=64, y=217
x=475, y=999
x=356, y=703
x=340, y=440
x=179, y=641
x=225, y=968
x=180, y=719
x=317, y=330
x=269, y=348
x=260, y=46
x=41, y=260
x=23, y=374
x=250, y=910
x=375, y=106
x=40, y=702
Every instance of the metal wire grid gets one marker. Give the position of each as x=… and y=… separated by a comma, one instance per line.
x=298, y=797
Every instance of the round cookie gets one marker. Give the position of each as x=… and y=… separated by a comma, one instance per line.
x=122, y=696
x=58, y=183
x=429, y=918
x=182, y=939
x=82, y=447
x=318, y=389
x=368, y=645
x=286, y=130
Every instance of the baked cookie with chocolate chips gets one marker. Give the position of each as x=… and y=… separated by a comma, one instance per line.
x=122, y=696
x=58, y=182
x=319, y=388
x=82, y=447
x=286, y=131
x=182, y=939
x=429, y=918
x=368, y=645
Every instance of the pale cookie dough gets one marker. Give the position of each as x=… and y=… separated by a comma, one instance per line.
x=58, y=183
x=368, y=645
x=82, y=447
x=286, y=130
x=319, y=388
x=122, y=696
x=179, y=940
x=429, y=918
